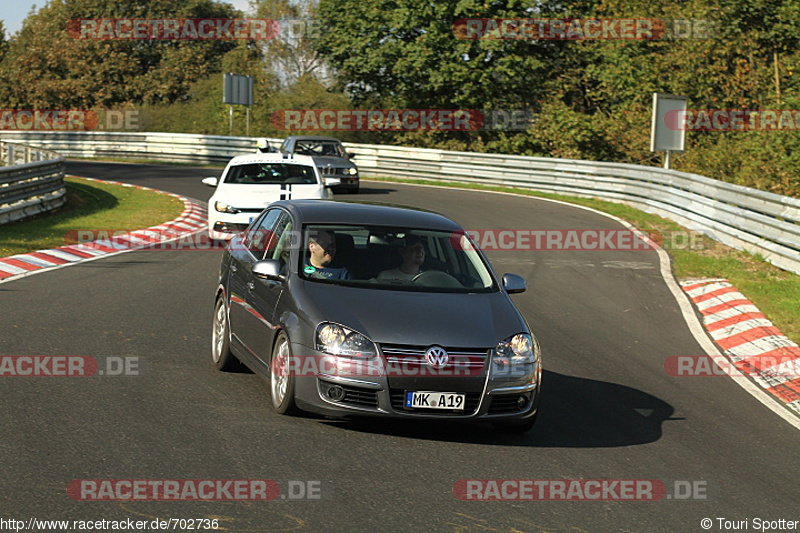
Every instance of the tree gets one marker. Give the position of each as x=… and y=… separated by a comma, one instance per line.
x=291, y=55
x=45, y=67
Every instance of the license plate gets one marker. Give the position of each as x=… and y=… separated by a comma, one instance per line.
x=435, y=400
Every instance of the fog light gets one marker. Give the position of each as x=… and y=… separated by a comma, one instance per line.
x=336, y=393
x=522, y=401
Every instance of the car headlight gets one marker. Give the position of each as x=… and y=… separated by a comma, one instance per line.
x=338, y=340
x=225, y=208
x=352, y=171
x=520, y=349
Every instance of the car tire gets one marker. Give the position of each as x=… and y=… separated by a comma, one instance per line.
x=221, y=354
x=281, y=384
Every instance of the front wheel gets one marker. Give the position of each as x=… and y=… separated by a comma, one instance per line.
x=281, y=379
x=221, y=354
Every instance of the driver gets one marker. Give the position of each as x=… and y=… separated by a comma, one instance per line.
x=321, y=250
x=413, y=255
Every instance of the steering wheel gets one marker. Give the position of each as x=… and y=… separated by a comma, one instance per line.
x=436, y=278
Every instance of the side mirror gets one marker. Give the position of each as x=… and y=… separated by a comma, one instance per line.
x=351, y=155
x=211, y=181
x=267, y=269
x=331, y=182
x=514, y=284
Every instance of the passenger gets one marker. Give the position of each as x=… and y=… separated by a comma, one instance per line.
x=321, y=250
x=412, y=254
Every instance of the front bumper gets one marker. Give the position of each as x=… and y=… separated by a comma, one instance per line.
x=371, y=390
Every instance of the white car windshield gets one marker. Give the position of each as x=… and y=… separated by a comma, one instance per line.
x=271, y=174
x=394, y=258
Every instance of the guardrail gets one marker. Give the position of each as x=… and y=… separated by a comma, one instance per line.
x=747, y=219
x=31, y=181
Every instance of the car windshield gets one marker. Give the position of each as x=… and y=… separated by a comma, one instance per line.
x=271, y=174
x=393, y=258
x=319, y=148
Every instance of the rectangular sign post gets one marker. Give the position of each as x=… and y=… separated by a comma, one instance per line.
x=237, y=90
x=667, y=133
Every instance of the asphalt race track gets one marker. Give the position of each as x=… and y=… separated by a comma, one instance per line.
x=606, y=321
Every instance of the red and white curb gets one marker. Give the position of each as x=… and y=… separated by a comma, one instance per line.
x=193, y=219
x=748, y=339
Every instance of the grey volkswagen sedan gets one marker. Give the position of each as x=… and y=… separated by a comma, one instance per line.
x=351, y=309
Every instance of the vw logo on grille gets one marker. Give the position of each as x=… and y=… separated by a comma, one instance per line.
x=437, y=357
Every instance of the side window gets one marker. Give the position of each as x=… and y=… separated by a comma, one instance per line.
x=284, y=243
x=260, y=236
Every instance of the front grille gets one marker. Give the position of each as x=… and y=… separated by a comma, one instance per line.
x=473, y=359
x=398, y=398
x=333, y=171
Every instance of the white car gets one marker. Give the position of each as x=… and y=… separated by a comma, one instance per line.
x=252, y=182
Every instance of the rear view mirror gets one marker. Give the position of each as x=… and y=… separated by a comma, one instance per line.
x=211, y=181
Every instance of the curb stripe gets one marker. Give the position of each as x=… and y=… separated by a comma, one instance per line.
x=727, y=298
x=712, y=310
x=191, y=220
x=728, y=313
x=748, y=339
x=20, y=264
x=52, y=259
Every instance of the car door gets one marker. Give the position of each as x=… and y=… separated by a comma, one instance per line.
x=262, y=295
x=245, y=251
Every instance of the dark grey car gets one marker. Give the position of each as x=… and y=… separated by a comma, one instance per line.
x=315, y=297
x=330, y=157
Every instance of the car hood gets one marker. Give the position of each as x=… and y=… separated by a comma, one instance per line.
x=334, y=162
x=243, y=196
x=477, y=320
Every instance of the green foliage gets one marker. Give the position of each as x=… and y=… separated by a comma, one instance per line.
x=47, y=68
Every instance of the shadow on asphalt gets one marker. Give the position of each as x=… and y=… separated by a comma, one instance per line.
x=370, y=189
x=574, y=413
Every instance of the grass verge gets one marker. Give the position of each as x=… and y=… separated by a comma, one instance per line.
x=90, y=205
x=774, y=291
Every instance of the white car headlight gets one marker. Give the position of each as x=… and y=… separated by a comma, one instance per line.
x=520, y=349
x=338, y=340
x=352, y=171
x=225, y=208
